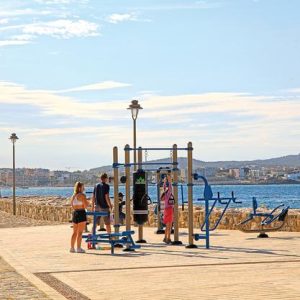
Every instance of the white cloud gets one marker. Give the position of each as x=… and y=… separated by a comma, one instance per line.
x=51, y=103
x=13, y=43
x=96, y=131
x=105, y=85
x=54, y=2
x=22, y=37
x=23, y=12
x=63, y=28
x=294, y=91
x=4, y=21
x=182, y=6
x=118, y=18
x=224, y=125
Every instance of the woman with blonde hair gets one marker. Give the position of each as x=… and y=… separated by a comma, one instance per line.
x=79, y=203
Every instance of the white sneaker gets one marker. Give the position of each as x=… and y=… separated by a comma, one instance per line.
x=80, y=250
x=72, y=250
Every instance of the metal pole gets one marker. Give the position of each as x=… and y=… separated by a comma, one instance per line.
x=175, y=193
x=127, y=187
x=134, y=143
x=159, y=230
x=190, y=196
x=182, y=198
x=140, y=160
x=14, y=180
x=116, y=190
x=207, y=223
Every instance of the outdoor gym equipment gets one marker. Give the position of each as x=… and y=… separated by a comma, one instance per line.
x=140, y=197
x=207, y=197
x=114, y=239
x=174, y=170
x=267, y=219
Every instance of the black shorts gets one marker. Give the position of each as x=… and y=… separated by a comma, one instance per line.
x=79, y=216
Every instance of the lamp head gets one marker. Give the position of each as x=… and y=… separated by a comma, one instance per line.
x=13, y=138
x=134, y=107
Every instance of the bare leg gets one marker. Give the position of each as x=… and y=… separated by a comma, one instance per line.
x=74, y=235
x=101, y=222
x=81, y=227
x=168, y=231
x=108, y=228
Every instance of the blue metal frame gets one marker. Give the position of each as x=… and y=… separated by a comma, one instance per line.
x=208, y=196
x=124, y=238
x=268, y=217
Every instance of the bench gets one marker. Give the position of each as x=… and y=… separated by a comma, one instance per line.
x=114, y=239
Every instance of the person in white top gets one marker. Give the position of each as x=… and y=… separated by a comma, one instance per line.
x=79, y=203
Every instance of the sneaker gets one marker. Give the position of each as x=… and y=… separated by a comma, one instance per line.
x=80, y=250
x=165, y=240
x=72, y=250
x=169, y=241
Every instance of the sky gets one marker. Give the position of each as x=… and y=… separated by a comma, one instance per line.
x=223, y=74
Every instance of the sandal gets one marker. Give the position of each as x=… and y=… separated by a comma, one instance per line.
x=80, y=250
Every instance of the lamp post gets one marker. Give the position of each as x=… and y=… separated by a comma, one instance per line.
x=13, y=139
x=134, y=107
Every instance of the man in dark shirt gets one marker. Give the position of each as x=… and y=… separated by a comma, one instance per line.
x=101, y=201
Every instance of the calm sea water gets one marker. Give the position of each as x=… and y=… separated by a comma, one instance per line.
x=267, y=195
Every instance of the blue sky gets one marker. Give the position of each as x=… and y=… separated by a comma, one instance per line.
x=223, y=74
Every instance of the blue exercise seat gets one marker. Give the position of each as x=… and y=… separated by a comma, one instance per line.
x=267, y=219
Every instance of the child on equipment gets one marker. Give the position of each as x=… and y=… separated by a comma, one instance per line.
x=168, y=199
x=79, y=203
x=122, y=216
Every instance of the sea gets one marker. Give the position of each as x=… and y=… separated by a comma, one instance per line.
x=268, y=196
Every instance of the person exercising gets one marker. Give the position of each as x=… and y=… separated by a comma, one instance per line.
x=168, y=199
x=122, y=216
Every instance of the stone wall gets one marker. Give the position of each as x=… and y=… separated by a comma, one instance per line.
x=38, y=212
x=60, y=211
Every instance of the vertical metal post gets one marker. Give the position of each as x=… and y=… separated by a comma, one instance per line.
x=140, y=157
x=116, y=189
x=182, y=198
x=207, y=223
x=190, y=196
x=134, y=144
x=140, y=160
x=175, y=193
x=159, y=230
x=14, y=180
x=127, y=187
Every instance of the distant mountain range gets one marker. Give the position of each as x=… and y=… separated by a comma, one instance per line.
x=284, y=161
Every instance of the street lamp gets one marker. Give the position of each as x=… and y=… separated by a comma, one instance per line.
x=13, y=139
x=134, y=107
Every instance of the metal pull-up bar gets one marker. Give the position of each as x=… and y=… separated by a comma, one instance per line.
x=156, y=149
x=117, y=165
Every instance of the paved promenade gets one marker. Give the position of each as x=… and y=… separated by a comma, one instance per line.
x=238, y=266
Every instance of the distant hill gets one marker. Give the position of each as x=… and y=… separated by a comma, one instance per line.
x=103, y=169
x=284, y=161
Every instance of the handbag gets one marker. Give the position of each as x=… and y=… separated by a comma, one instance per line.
x=171, y=200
